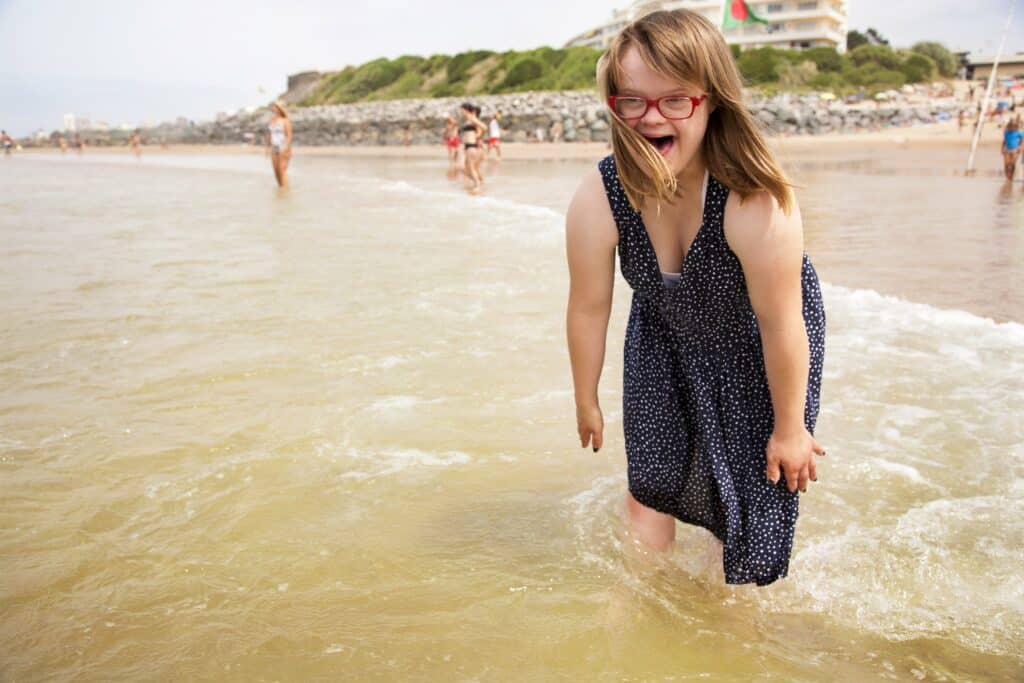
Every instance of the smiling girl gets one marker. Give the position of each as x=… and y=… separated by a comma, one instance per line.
x=725, y=339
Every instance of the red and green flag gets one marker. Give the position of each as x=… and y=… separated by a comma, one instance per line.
x=738, y=13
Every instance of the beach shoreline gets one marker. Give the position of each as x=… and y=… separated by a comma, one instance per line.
x=943, y=134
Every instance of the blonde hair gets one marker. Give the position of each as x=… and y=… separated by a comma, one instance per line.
x=280, y=107
x=685, y=46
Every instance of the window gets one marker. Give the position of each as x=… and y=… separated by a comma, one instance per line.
x=807, y=5
x=773, y=7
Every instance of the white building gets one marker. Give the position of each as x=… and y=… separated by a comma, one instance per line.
x=70, y=124
x=793, y=24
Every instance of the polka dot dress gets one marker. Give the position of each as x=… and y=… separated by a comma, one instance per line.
x=697, y=411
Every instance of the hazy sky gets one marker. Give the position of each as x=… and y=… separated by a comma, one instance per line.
x=129, y=61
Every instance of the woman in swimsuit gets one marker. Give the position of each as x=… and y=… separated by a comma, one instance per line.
x=725, y=340
x=472, y=133
x=279, y=142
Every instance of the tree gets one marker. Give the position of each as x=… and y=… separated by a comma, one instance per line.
x=937, y=52
x=855, y=39
x=876, y=38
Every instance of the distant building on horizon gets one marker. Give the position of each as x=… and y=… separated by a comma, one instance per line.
x=793, y=24
x=1011, y=67
x=70, y=123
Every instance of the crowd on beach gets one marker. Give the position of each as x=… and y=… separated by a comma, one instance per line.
x=471, y=142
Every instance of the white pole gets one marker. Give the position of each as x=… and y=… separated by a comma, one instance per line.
x=988, y=92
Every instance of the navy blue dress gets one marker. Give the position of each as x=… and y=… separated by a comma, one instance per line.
x=697, y=411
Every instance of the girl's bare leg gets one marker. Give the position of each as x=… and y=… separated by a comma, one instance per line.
x=654, y=529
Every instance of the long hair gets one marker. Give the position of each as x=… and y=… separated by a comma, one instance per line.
x=685, y=46
x=279, y=105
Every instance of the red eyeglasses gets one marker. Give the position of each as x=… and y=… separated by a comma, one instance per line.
x=674, y=107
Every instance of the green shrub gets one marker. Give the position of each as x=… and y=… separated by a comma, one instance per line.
x=522, y=72
x=937, y=52
x=461, y=63
x=877, y=54
x=760, y=65
x=918, y=68
x=825, y=58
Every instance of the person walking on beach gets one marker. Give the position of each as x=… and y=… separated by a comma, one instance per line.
x=1012, y=138
x=135, y=142
x=279, y=142
x=725, y=340
x=494, y=135
x=7, y=142
x=471, y=133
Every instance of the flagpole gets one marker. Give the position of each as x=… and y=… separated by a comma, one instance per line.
x=988, y=92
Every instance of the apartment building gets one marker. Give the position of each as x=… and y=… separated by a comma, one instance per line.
x=792, y=24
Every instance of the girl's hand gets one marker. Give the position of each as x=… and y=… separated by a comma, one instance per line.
x=590, y=425
x=794, y=455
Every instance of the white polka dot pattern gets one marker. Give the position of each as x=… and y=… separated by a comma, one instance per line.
x=697, y=411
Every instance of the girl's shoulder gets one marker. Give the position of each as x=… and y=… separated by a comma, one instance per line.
x=589, y=211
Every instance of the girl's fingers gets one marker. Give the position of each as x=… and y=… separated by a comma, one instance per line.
x=598, y=440
x=804, y=475
x=772, y=471
x=818, y=448
x=812, y=470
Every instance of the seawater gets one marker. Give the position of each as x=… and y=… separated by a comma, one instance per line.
x=329, y=433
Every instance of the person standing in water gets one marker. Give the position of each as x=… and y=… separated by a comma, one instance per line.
x=135, y=142
x=451, y=139
x=494, y=135
x=1011, y=147
x=725, y=340
x=279, y=142
x=471, y=133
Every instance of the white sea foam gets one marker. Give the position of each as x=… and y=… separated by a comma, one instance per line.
x=391, y=404
x=388, y=461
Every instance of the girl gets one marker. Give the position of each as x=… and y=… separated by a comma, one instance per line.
x=472, y=133
x=279, y=142
x=1011, y=147
x=725, y=340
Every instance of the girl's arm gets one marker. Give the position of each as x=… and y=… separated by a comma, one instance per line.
x=590, y=239
x=288, y=134
x=769, y=245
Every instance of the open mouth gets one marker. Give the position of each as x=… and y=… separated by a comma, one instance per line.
x=662, y=143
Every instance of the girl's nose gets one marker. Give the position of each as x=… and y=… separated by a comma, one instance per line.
x=652, y=116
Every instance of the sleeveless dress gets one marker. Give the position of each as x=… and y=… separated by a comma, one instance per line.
x=697, y=411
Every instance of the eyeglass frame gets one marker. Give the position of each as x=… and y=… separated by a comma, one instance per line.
x=696, y=100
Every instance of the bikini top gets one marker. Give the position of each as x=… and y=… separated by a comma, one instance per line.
x=467, y=128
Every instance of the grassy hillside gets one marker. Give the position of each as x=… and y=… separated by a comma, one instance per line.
x=482, y=72
x=467, y=73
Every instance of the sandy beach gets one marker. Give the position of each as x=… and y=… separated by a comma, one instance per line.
x=937, y=135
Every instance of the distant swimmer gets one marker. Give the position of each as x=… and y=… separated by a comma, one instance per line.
x=494, y=135
x=1011, y=147
x=7, y=142
x=279, y=142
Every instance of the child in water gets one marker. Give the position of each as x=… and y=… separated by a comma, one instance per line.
x=1011, y=147
x=725, y=340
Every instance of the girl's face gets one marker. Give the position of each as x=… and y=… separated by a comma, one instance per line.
x=678, y=140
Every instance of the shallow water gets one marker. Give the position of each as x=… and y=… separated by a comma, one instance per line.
x=252, y=435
